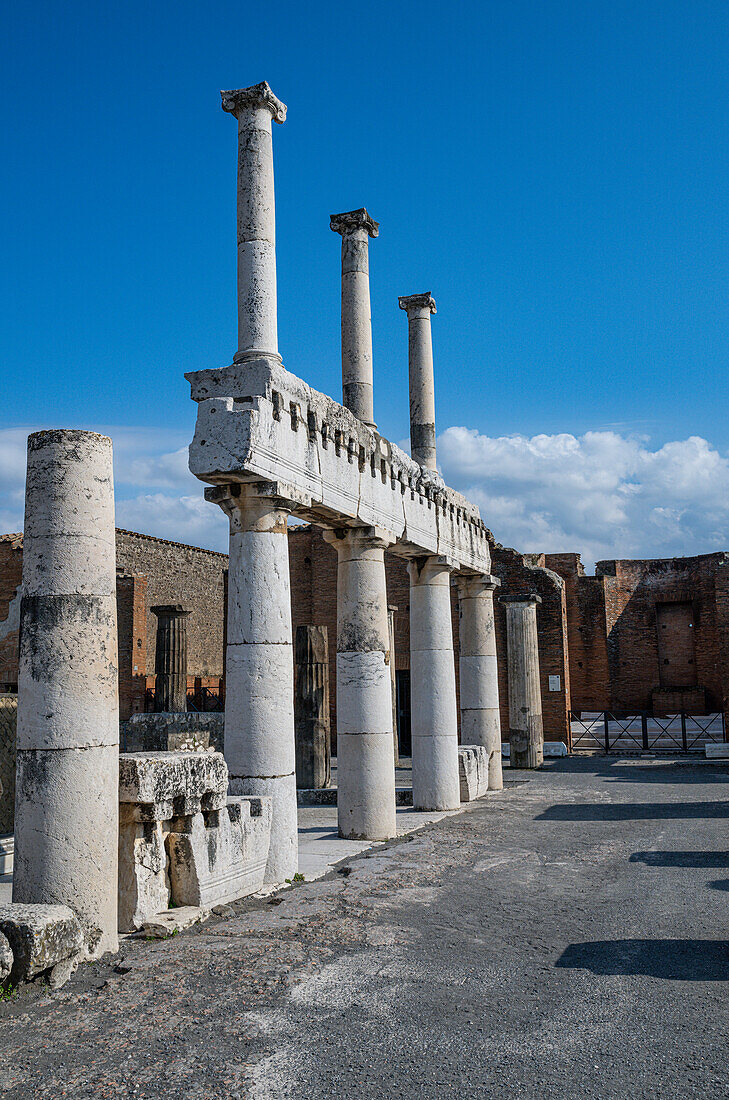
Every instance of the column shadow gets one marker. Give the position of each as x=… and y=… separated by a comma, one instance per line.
x=675, y=960
x=633, y=811
x=695, y=860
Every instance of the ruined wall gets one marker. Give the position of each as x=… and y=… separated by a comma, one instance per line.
x=633, y=589
x=587, y=633
x=131, y=610
x=180, y=574
x=11, y=569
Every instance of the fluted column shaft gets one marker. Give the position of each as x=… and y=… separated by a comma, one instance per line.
x=170, y=659
x=479, y=678
x=526, y=734
x=356, y=227
x=255, y=108
x=365, y=762
x=419, y=308
x=259, y=695
x=434, y=717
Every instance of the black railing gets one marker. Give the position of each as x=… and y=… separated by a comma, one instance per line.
x=681, y=732
x=202, y=701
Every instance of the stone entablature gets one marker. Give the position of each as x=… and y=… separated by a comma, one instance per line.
x=258, y=422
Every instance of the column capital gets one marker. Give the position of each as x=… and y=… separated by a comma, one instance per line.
x=352, y=220
x=368, y=538
x=258, y=95
x=524, y=597
x=475, y=584
x=173, y=610
x=418, y=301
x=424, y=570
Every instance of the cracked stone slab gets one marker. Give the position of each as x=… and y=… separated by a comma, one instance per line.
x=161, y=785
x=174, y=920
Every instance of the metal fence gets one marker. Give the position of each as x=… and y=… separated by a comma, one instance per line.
x=606, y=732
x=204, y=701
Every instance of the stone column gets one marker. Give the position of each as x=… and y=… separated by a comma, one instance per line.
x=479, y=680
x=365, y=764
x=170, y=659
x=355, y=227
x=254, y=109
x=422, y=386
x=67, y=782
x=393, y=679
x=434, y=717
x=525, y=698
x=311, y=708
x=259, y=687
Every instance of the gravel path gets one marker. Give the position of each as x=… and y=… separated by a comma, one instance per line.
x=564, y=938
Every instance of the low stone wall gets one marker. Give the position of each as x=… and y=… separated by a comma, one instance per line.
x=8, y=726
x=172, y=732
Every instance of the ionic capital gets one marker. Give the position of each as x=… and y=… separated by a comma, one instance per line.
x=349, y=222
x=417, y=301
x=259, y=95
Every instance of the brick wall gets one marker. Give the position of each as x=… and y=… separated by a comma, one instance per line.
x=11, y=569
x=586, y=632
x=131, y=610
x=186, y=575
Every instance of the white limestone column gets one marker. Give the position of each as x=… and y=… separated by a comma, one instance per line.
x=356, y=226
x=365, y=761
x=433, y=713
x=526, y=735
x=254, y=109
x=422, y=386
x=479, y=678
x=259, y=690
x=67, y=779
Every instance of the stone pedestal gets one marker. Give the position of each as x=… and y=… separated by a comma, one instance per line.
x=170, y=659
x=365, y=765
x=255, y=108
x=259, y=694
x=311, y=708
x=356, y=226
x=479, y=678
x=434, y=718
x=67, y=799
x=422, y=386
x=525, y=698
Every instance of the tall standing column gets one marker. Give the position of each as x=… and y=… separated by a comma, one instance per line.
x=356, y=226
x=525, y=698
x=479, y=678
x=67, y=779
x=434, y=717
x=311, y=708
x=422, y=386
x=254, y=109
x=170, y=659
x=393, y=679
x=365, y=763
x=259, y=669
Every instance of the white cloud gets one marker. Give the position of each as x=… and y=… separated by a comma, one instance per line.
x=602, y=494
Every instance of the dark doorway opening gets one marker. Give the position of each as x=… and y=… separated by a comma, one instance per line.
x=402, y=688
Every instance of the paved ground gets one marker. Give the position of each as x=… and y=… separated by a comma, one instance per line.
x=565, y=938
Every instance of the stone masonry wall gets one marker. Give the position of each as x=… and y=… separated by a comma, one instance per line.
x=11, y=569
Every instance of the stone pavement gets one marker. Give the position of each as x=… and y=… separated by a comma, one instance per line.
x=563, y=938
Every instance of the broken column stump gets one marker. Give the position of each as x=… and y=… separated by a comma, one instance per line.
x=311, y=708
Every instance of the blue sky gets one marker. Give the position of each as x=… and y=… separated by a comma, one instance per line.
x=555, y=173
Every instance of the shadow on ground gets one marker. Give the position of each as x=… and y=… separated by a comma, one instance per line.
x=696, y=860
x=677, y=960
x=633, y=811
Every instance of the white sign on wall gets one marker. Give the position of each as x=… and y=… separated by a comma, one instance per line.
x=554, y=683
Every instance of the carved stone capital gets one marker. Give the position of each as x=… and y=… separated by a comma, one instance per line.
x=418, y=301
x=259, y=95
x=353, y=220
x=474, y=585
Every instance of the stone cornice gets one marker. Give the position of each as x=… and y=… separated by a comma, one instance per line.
x=259, y=95
x=418, y=301
x=352, y=220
